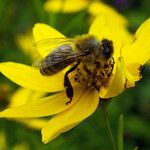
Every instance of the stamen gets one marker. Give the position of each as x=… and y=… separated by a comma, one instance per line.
x=94, y=74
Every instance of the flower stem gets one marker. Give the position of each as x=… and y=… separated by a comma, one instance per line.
x=120, y=133
x=107, y=125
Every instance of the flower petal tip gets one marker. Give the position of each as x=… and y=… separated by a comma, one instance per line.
x=39, y=25
x=45, y=139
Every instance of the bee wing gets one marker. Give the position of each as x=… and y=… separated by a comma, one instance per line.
x=45, y=46
x=61, y=57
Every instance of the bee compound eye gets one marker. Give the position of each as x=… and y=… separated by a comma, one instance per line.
x=107, y=48
x=106, y=52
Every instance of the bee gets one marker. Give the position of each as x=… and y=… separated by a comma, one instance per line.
x=87, y=55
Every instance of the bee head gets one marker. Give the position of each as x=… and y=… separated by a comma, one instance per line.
x=107, y=48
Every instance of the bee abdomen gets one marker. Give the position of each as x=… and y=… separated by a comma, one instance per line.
x=48, y=71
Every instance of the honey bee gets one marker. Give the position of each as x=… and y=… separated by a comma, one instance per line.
x=92, y=59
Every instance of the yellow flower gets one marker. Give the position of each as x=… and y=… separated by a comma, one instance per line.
x=66, y=6
x=93, y=7
x=129, y=56
x=97, y=7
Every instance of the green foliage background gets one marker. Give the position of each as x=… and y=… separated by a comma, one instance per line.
x=18, y=16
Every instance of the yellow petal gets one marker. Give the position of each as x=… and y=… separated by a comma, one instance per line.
x=43, y=35
x=139, y=50
x=44, y=107
x=43, y=31
x=97, y=8
x=133, y=73
x=67, y=6
x=117, y=82
x=31, y=78
x=22, y=96
x=103, y=29
x=64, y=121
x=144, y=30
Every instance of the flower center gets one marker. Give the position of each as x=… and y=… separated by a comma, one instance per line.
x=94, y=73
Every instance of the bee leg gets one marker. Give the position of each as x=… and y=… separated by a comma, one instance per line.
x=67, y=84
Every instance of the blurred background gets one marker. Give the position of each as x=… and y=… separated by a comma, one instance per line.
x=16, y=21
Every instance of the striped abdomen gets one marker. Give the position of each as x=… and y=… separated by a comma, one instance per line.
x=48, y=68
x=59, y=59
x=53, y=69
